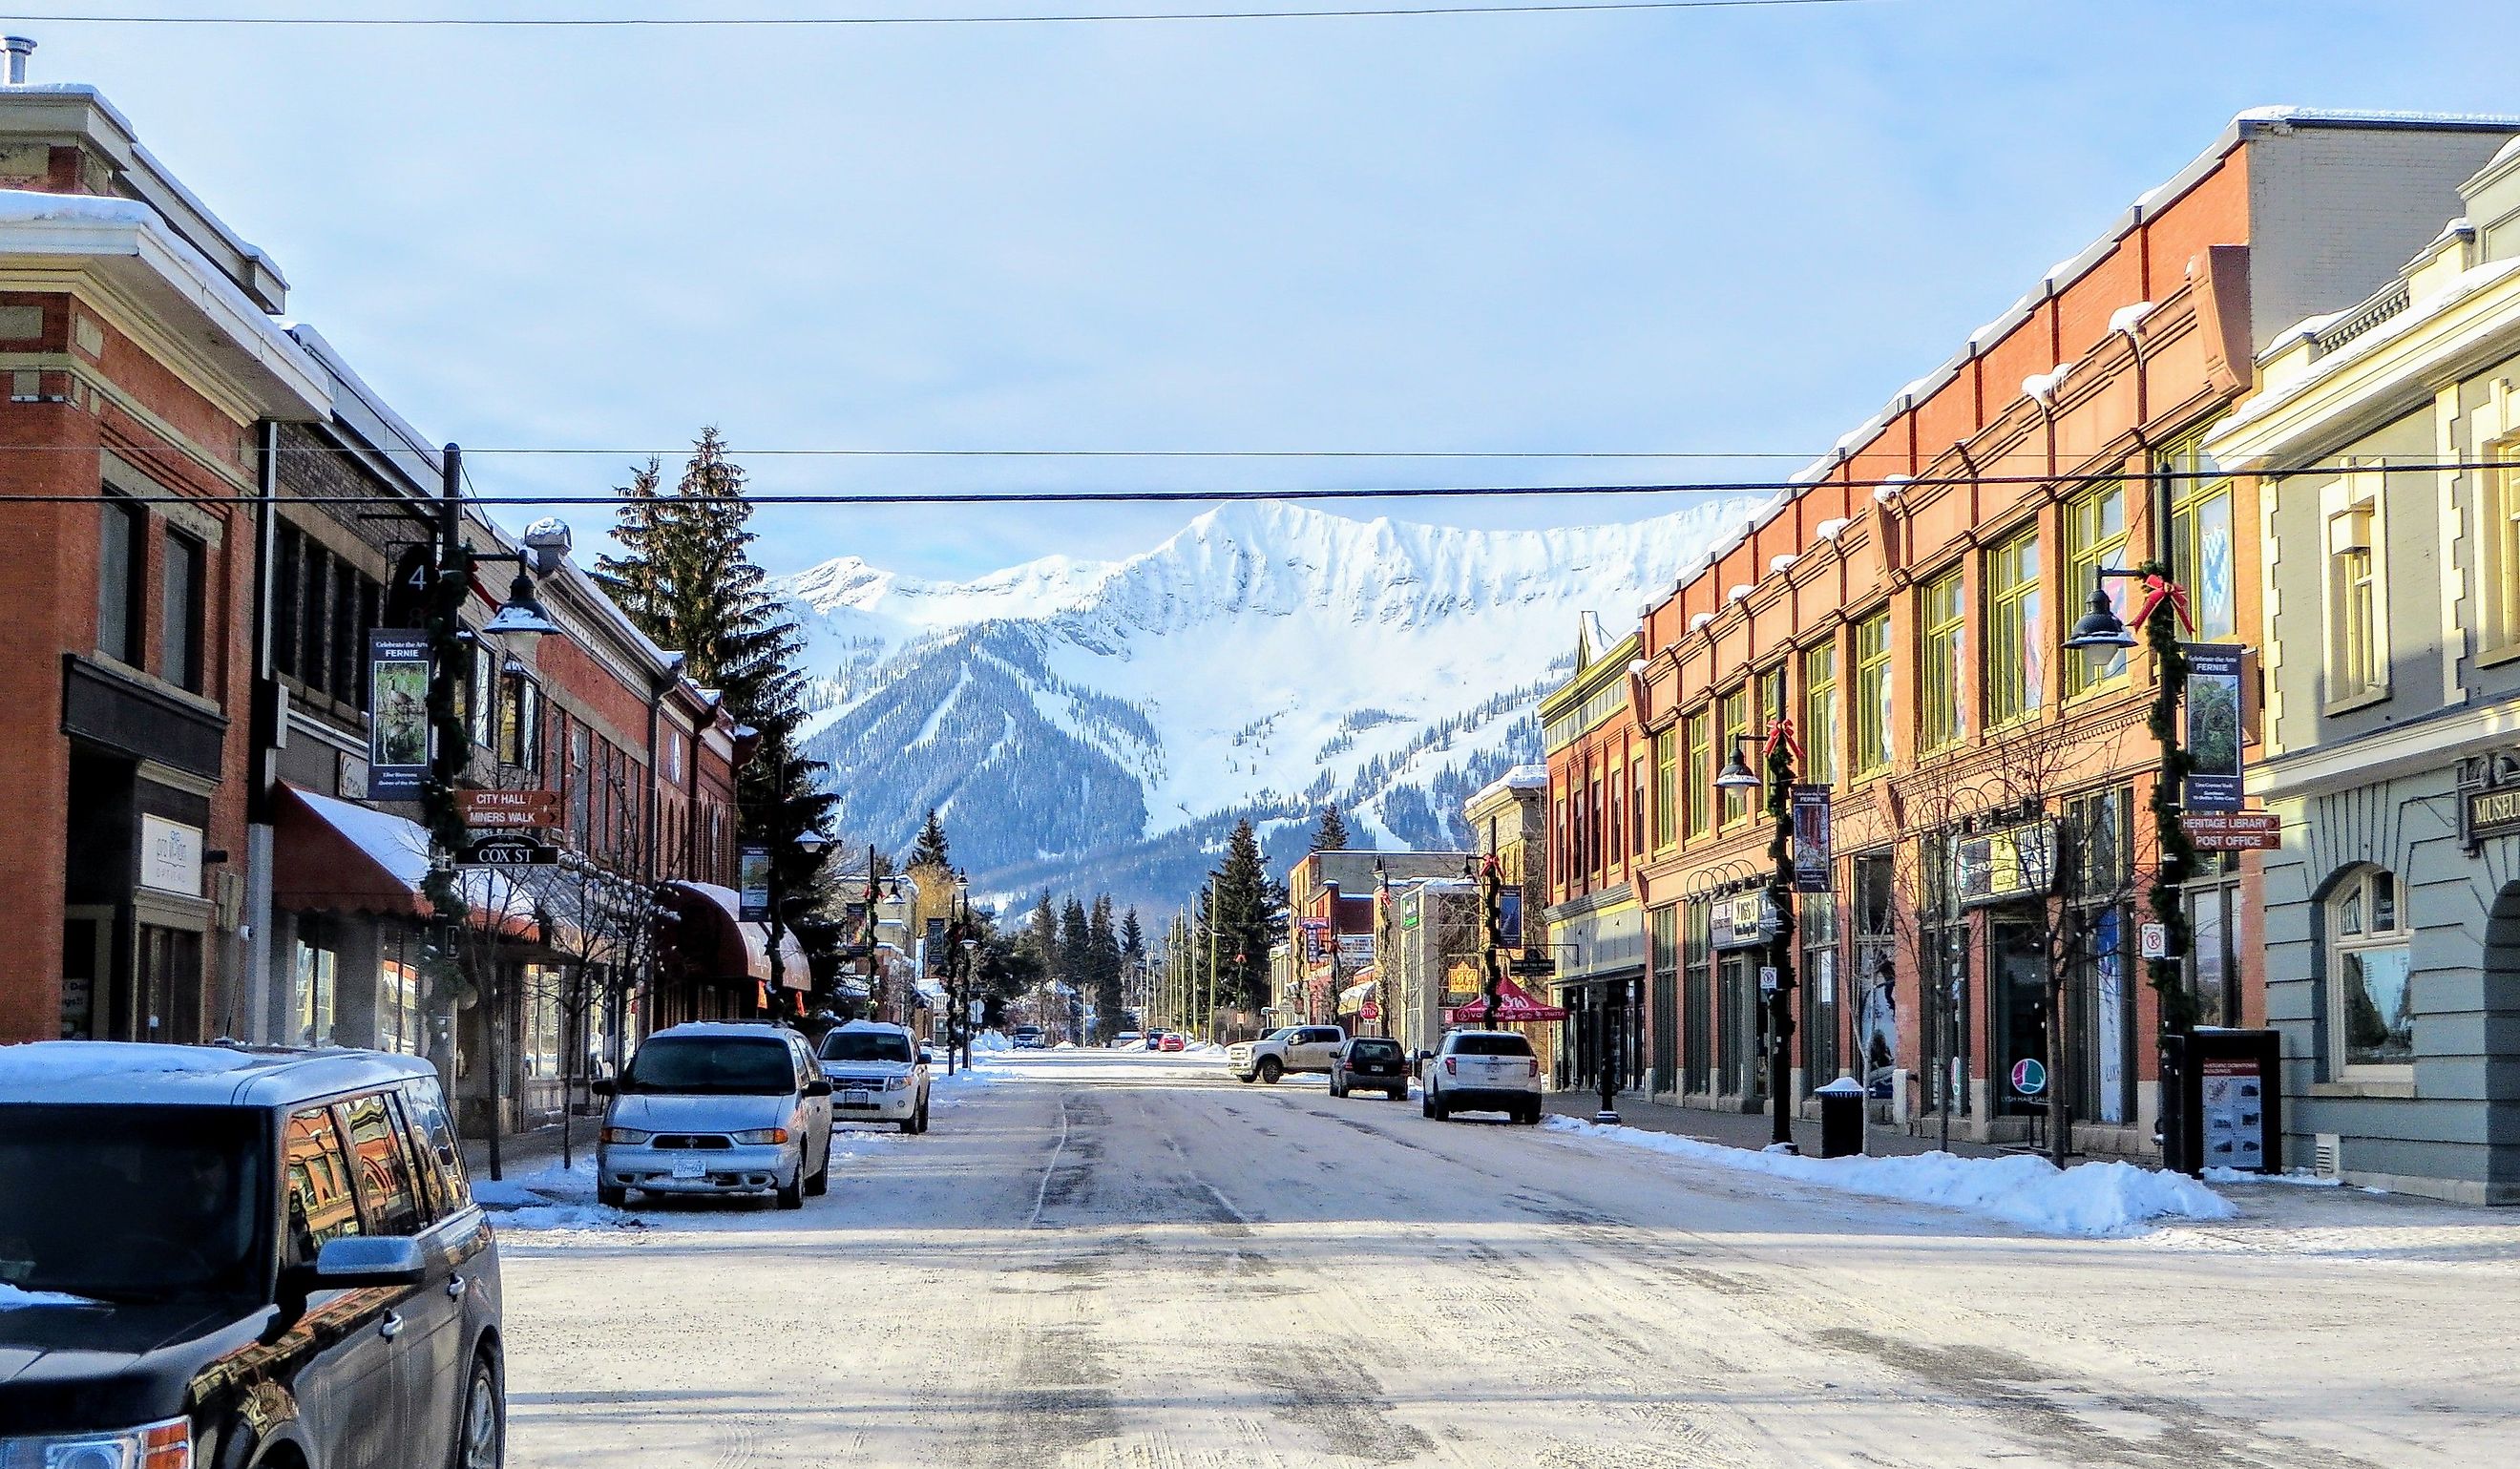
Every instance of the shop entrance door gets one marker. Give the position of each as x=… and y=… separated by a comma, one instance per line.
x=2017, y=945
x=168, y=985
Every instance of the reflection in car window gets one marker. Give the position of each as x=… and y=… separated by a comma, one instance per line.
x=384, y=1172
x=866, y=1045
x=436, y=1132
x=321, y=1206
x=715, y=1065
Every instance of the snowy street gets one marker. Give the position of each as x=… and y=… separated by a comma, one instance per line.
x=1097, y=1259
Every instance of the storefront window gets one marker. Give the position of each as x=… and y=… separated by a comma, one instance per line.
x=1872, y=714
x=1698, y=971
x=316, y=975
x=2100, y=1009
x=1876, y=1024
x=1820, y=714
x=2016, y=636
x=1942, y=614
x=1817, y=930
x=2372, y=998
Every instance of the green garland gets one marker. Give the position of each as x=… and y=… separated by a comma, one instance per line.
x=449, y=650
x=2178, y=858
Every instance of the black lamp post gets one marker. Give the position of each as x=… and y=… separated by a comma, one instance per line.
x=2100, y=632
x=958, y=973
x=1779, y=994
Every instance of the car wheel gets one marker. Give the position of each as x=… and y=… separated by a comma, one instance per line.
x=1443, y=1110
x=922, y=1114
x=481, y=1433
x=1425, y=1103
x=821, y=1182
x=791, y=1194
x=612, y=1196
x=1270, y=1070
x=1399, y=1095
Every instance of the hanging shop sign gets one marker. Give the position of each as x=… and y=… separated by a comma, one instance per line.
x=508, y=810
x=1742, y=920
x=398, y=736
x=2234, y=830
x=1356, y=950
x=2213, y=781
x=2009, y=863
x=2493, y=813
x=2489, y=799
x=752, y=869
x=1811, y=839
x=170, y=856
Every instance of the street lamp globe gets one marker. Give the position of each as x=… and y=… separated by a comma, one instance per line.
x=812, y=843
x=522, y=619
x=2101, y=629
x=1736, y=774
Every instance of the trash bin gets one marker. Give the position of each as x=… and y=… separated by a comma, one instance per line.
x=1841, y=1118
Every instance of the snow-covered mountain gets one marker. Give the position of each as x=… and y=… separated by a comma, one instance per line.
x=1099, y=725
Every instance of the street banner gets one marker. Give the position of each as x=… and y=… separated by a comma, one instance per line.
x=2213, y=726
x=1509, y=918
x=1812, y=850
x=752, y=905
x=398, y=736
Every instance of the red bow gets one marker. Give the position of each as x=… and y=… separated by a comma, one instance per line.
x=2158, y=589
x=1781, y=731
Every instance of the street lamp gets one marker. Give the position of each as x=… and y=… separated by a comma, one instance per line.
x=2101, y=632
x=1778, y=978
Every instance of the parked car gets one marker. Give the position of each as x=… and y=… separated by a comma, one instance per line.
x=1154, y=1040
x=1483, y=1071
x=878, y=1072
x=1288, y=1049
x=717, y=1107
x=272, y=1256
x=1128, y=1039
x=1372, y=1063
x=1030, y=1037
x=1173, y=1042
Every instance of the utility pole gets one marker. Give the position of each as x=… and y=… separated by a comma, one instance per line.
x=1207, y=1010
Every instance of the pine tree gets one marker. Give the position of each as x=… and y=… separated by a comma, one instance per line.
x=1331, y=836
x=1104, y=967
x=931, y=848
x=1242, y=920
x=1075, y=957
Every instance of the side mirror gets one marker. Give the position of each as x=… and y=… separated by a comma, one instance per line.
x=363, y=1262
x=603, y=1085
x=819, y=1086
x=926, y=1057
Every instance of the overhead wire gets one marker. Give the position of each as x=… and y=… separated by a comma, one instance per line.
x=1075, y=17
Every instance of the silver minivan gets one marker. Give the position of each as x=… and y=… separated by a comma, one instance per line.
x=717, y=1107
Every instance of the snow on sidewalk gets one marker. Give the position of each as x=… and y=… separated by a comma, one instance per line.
x=2093, y=1200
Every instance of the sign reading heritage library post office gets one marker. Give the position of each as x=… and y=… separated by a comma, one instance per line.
x=398, y=736
x=2213, y=726
x=2234, y=830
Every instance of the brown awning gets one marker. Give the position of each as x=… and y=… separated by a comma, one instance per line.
x=713, y=939
x=335, y=856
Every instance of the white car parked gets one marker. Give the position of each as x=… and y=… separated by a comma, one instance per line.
x=878, y=1072
x=1483, y=1071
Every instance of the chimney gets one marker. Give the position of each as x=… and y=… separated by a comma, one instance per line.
x=19, y=48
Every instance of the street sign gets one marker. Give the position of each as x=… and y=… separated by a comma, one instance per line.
x=2154, y=940
x=1534, y=966
x=510, y=852
x=2234, y=830
x=1767, y=979
x=2029, y=1077
x=508, y=810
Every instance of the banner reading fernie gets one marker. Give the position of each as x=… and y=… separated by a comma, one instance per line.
x=2213, y=726
x=1812, y=841
x=752, y=874
x=397, y=714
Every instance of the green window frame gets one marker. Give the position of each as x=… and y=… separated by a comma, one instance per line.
x=1942, y=616
x=2016, y=633
x=1820, y=714
x=1666, y=756
x=1872, y=718
x=2203, y=538
x=1737, y=723
x=1700, y=791
x=2096, y=536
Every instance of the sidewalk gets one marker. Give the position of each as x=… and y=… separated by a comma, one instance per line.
x=1752, y=1129
x=527, y=1152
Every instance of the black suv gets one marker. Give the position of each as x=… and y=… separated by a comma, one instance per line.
x=1372, y=1063
x=219, y=1257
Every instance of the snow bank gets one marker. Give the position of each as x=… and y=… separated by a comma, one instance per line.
x=551, y=1197
x=52, y=1062
x=2093, y=1200
x=2297, y=1181
x=13, y=1299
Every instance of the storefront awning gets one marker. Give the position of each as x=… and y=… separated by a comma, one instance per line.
x=1356, y=995
x=335, y=856
x=1514, y=1005
x=713, y=939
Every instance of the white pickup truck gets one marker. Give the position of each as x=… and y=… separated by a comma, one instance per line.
x=1288, y=1048
x=1483, y=1071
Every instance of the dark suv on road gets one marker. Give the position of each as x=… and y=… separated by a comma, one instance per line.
x=1372, y=1063
x=215, y=1258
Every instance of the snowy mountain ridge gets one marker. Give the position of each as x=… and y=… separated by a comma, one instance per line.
x=1100, y=724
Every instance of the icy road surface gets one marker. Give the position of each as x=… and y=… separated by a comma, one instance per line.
x=1098, y=1260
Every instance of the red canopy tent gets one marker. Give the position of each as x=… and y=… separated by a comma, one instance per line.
x=1514, y=1004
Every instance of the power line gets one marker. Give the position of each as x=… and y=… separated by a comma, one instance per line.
x=627, y=22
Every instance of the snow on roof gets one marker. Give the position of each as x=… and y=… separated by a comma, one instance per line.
x=2128, y=316
x=53, y=1062
x=398, y=845
x=1830, y=530
x=1520, y=777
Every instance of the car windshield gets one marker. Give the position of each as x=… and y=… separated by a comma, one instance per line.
x=713, y=1064
x=1373, y=1050
x=127, y=1203
x=1491, y=1045
x=866, y=1045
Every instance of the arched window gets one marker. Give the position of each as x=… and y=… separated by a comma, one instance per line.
x=2369, y=995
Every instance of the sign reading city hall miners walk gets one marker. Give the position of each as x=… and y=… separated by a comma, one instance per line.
x=508, y=810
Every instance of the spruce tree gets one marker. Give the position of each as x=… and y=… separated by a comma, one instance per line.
x=1104, y=947
x=931, y=848
x=1242, y=920
x=1332, y=835
x=1075, y=957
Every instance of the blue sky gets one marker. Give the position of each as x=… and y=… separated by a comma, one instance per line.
x=1722, y=233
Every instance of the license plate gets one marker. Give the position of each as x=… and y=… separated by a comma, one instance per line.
x=857, y=1098
x=690, y=1168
